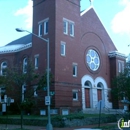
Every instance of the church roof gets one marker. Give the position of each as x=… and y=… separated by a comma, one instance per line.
x=86, y=10
x=17, y=45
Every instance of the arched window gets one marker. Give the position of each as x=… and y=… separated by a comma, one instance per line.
x=100, y=85
x=3, y=68
x=25, y=65
x=87, y=83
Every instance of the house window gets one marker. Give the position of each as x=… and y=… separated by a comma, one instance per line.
x=2, y=93
x=75, y=95
x=36, y=61
x=87, y=83
x=43, y=24
x=99, y=85
x=42, y=112
x=68, y=24
x=63, y=48
x=120, y=66
x=65, y=27
x=65, y=112
x=40, y=29
x=35, y=91
x=23, y=91
x=75, y=69
x=71, y=29
x=3, y=68
x=54, y=111
x=46, y=27
x=25, y=65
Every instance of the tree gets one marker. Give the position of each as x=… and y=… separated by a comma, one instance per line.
x=121, y=84
x=15, y=79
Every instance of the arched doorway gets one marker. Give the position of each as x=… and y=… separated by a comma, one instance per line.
x=88, y=87
x=93, y=91
x=99, y=91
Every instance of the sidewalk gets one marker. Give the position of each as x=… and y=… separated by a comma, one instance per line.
x=11, y=127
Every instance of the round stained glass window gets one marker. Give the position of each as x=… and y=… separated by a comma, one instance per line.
x=93, y=60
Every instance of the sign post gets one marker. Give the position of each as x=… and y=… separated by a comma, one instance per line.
x=100, y=106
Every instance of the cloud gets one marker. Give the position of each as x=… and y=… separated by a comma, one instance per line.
x=121, y=22
x=124, y=2
x=27, y=13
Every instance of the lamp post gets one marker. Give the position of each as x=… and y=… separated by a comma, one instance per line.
x=49, y=125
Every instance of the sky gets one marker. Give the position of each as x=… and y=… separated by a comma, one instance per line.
x=114, y=15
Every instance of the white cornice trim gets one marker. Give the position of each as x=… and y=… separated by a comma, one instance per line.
x=14, y=48
x=116, y=54
x=86, y=10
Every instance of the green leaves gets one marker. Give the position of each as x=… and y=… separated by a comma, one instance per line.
x=32, y=80
x=42, y=84
x=121, y=84
x=26, y=104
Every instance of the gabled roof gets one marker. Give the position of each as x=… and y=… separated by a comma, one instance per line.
x=17, y=45
x=23, y=40
x=91, y=22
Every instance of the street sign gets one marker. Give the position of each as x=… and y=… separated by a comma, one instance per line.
x=101, y=104
x=47, y=100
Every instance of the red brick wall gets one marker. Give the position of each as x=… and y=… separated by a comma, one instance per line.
x=89, y=34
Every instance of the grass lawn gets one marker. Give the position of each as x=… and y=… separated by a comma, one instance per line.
x=58, y=118
x=71, y=116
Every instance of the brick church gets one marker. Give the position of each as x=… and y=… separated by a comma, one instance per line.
x=83, y=58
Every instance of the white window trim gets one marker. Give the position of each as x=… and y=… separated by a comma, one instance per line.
x=72, y=29
x=64, y=51
x=65, y=111
x=44, y=24
x=65, y=19
x=68, y=26
x=23, y=91
x=120, y=66
x=42, y=21
x=3, y=67
x=45, y=33
x=24, y=64
x=66, y=29
x=75, y=91
x=36, y=56
x=39, y=30
x=76, y=69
